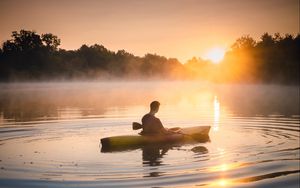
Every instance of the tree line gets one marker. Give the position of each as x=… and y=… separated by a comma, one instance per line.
x=31, y=56
x=272, y=59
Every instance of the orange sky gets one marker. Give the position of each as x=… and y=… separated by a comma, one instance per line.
x=173, y=28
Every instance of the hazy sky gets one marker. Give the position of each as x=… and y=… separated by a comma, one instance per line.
x=173, y=28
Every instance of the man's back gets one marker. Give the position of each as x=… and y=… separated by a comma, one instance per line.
x=151, y=125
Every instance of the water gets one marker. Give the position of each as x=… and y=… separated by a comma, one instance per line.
x=50, y=135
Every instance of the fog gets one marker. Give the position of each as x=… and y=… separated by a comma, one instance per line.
x=57, y=100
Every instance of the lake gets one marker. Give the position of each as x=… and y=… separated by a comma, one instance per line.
x=50, y=135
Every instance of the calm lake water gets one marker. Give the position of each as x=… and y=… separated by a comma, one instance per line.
x=50, y=135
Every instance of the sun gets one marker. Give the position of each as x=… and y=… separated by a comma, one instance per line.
x=215, y=55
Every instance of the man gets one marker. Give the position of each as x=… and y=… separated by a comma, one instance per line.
x=151, y=124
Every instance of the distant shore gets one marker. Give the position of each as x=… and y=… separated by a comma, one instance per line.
x=29, y=56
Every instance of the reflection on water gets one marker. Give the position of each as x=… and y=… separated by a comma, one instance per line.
x=152, y=156
x=50, y=135
x=48, y=101
x=216, y=114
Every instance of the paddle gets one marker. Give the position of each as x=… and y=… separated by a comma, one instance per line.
x=136, y=126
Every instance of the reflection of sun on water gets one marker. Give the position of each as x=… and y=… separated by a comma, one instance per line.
x=225, y=167
x=216, y=114
x=223, y=182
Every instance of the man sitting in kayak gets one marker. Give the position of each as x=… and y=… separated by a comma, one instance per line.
x=151, y=124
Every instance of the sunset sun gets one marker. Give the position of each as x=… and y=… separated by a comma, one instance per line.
x=215, y=55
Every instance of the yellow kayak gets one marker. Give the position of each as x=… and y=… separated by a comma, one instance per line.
x=115, y=143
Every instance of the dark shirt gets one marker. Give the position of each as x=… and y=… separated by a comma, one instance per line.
x=151, y=125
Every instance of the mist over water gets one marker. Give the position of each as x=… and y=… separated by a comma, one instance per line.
x=50, y=134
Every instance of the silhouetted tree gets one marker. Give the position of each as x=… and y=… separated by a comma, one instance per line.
x=28, y=55
x=244, y=42
x=51, y=41
x=272, y=59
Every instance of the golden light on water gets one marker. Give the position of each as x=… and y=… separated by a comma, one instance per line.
x=225, y=167
x=223, y=182
x=216, y=114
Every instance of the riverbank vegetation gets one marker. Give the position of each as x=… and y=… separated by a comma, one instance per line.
x=30, y=56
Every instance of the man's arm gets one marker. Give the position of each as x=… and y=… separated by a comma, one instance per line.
x=163, y=130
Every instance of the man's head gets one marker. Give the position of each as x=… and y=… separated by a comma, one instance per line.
x=154, y=106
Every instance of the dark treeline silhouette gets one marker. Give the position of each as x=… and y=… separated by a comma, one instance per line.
x=30, y=56
x=273, y=59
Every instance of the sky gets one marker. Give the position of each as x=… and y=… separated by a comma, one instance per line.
x=173, y=28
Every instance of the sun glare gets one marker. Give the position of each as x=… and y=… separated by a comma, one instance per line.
x=215, y=55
